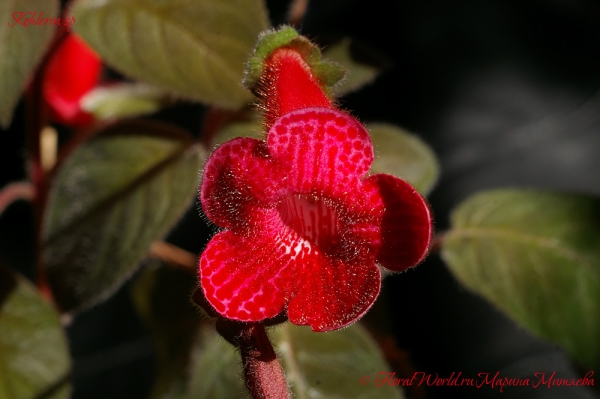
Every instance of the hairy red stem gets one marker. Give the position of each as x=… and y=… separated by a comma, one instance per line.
x=262, y=371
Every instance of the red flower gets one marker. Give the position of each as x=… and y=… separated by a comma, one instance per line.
x=304, y=226
x=73, y=70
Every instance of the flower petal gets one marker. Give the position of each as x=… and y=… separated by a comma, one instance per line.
x=405, y=223
x=73, y=70
x=333, y=293
x=239, y=178
x=322, y=151
x=246, y=279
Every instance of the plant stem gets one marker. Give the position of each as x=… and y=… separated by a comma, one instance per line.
x=36, y=119
x=174, y=256
x=436, y=242
x=262, y=371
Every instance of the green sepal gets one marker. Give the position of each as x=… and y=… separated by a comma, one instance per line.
x=327, y=72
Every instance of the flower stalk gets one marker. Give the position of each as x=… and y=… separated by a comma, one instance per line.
x=262, y=372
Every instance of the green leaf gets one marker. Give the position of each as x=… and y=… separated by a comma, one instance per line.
x=359, y=74
x=124, y=100
x=535, y=255
x=34, y=356
x=21, y=47
x=404, y=155
x=110, y=199
x=331, y=365
x=198, y=49
x=317, y=365
x=161, y=295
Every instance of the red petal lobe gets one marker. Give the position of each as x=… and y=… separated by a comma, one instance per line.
x=405, y=224
x=246, y=279
x=334, y=294
x=239, y=179
x=323, y=151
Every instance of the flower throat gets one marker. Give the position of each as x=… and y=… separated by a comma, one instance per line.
x=313, y=219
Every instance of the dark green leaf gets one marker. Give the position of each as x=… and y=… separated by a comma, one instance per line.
x=359, y=74
x=21, y=47
x=161, y=295
x=536, y=255
x=198, y=49
x=317, y=365
x=34, y=356
x=404, y=155
x=110, y=199
x=123, y=100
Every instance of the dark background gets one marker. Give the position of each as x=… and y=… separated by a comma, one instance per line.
x=507, y=94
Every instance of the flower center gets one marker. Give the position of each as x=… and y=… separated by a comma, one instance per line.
x=312, y=218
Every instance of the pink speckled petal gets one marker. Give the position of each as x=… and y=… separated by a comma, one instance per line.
x=322, y=151
x=247, y=278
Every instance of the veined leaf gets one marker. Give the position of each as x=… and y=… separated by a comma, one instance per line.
x=403, y=155
x=34, y=356
x=535, y=255
x=110, y=199
x=197, y=49
x=332, y=365
x=22, y=46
